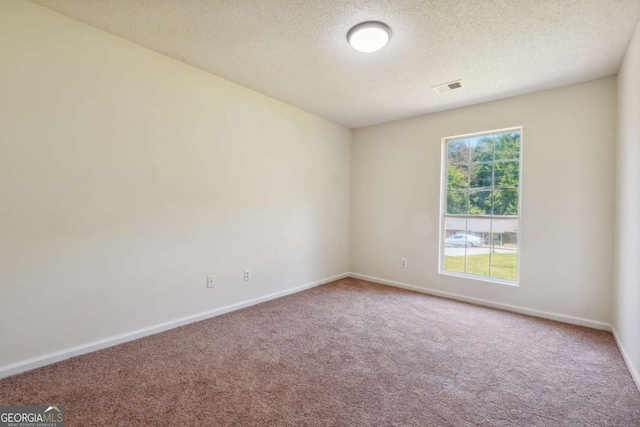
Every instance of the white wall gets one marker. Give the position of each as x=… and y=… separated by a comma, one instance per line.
x=126, y=177
x=567, y=204
x=627, y=289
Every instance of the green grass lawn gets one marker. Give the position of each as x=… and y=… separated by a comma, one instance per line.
x=503, y=266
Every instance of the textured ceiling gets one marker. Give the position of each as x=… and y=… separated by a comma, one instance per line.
x=296, y=50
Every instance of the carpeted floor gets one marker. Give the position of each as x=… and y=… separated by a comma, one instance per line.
x=349, y=353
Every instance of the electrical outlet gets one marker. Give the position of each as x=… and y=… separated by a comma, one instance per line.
x=211, y=281
x=247, y=275
x=403, y=263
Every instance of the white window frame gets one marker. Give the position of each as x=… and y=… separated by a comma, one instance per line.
x=443, y=209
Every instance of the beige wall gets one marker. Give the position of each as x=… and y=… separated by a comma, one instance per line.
x=627, y=289
x=127, y=177
x=567, y=202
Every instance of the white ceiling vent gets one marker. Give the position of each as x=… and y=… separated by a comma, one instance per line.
x=446, y=87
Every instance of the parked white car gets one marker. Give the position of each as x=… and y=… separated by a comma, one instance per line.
x=463, y=240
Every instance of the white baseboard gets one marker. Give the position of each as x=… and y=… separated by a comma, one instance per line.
x=47, y=359
x=57, y=356
x=635, y=373
x=486, y=303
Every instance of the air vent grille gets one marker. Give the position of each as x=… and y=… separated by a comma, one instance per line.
x=446, y=87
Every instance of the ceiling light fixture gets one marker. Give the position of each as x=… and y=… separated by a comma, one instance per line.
x=369, y=36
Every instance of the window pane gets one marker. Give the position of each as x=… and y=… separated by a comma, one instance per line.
x=478, y=264
x=481, y=176
x=457, y=202
x=457, y=177
x=458, y=151
x=479, y=234
x=480, y=202
x=478, y=247
x=505, y=233
x=504, y=264
x=507, y=174
x=504, y=254
x=481, y=148
x=505, y=201
x=454, y=247
x=507, y=146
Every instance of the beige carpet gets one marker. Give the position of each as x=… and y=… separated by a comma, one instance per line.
x=349, y=353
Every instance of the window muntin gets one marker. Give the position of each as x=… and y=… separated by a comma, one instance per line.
x=481, y=205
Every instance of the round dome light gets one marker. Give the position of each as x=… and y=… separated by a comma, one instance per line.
x=369, y=36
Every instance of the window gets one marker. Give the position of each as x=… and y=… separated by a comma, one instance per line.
x=481, y=205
